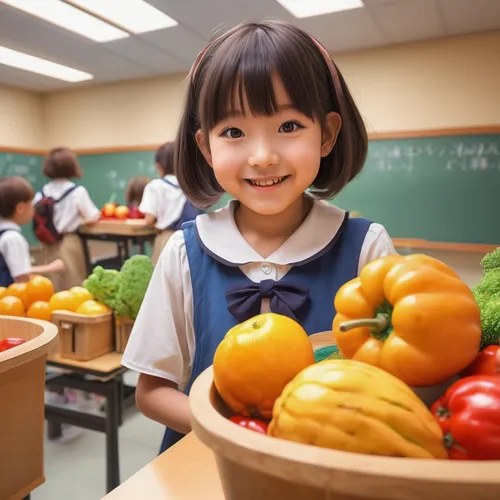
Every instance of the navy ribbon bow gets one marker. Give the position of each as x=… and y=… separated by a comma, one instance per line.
x=244, y=302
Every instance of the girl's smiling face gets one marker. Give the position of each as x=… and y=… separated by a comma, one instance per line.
x=268, y=162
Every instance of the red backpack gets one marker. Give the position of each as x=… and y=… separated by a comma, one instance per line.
x=43, y=220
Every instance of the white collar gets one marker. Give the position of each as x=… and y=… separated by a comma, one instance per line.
x=7, y=224
x=221, y=238
x=171, y=178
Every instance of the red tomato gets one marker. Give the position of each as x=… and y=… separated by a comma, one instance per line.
x=9, y=343
x=469, y=416
x=486, y=363
x=252, y=424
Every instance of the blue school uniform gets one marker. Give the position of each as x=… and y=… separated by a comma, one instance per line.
x=305, y=293
x=5, y=276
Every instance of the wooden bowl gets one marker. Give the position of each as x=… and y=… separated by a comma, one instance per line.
x=22, y=400
x=253, y=466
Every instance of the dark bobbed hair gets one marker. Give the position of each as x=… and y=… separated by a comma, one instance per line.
x=240, y=65
x=14, y=190
x=61, y=163
x=164, y=158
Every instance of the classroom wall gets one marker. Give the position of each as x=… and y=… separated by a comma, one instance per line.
x=125, y=114
x=22, y=120
x=443, y=83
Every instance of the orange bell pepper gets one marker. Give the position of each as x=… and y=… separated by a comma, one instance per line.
x=411, y=316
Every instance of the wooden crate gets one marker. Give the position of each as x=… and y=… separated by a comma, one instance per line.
x=84, y=337
x=22, y=388
x=123, y=329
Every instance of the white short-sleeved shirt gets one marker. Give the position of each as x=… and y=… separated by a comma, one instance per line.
x=162, y=342
x=74, y=210
x=15, y=249
x=163, y=201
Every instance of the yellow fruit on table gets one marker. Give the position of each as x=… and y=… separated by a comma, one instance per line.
x=64, y=301
x=40, y=310
x=39, y=288
x=19, y=290
x=92, y=308
x=255, y=361
x=81, y=293
x=352, y=406
x=3, y=291
x=11, y=306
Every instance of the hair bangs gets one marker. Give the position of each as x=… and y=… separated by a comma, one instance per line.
x=242, y=72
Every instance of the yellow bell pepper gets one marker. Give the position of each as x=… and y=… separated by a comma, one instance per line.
x=351, y=406
x=412, y=316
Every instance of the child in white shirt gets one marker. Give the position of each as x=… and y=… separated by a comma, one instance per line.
x=75, y=209
x=16, y=209
x=163, y=201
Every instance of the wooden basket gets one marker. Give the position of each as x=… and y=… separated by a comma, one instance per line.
x=22, y=388
x=123, y=329
x=84, y=337
x=253, y=466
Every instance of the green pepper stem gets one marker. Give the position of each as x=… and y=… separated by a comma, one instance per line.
x=379, y=324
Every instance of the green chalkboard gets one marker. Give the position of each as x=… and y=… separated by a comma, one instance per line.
x=105, y=174
x=440, y=189
x=27, y=166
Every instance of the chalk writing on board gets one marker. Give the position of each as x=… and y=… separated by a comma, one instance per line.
x=115, y=183
x=459, y=156
x=146, y=169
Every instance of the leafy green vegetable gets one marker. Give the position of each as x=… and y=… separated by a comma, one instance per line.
x=133, y=282
x=103, y=285
x=487, y=295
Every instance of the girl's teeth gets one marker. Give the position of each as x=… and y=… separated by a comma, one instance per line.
x=267, y=183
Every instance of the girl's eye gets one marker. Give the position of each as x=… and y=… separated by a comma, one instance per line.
x=288, y=127
x=232, y=133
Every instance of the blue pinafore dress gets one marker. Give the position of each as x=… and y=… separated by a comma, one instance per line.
x=223, y=296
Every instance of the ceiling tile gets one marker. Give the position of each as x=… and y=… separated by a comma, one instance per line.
x=343, y=31
x=178, y=40
x=406, y=20
x=468, y=16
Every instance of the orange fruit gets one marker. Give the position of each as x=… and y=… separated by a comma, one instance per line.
x=81, y=293
x=40, y=288
x=19, y=290
x=257, y=359
x=92, y=308
x=3, y=290
x=40, y=310
x=64, y=301
x=11, y=306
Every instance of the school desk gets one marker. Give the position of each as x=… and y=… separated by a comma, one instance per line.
x=123, y=233
x=186, y=471
x=103, y=376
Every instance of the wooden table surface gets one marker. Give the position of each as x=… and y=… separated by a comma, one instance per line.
x=187, y=471
x=106, y=365
x=129, y=227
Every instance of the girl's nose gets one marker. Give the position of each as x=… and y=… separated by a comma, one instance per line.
x=263, y=155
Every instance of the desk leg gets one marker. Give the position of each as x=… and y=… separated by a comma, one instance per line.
x=86, y=254
x=112, y=417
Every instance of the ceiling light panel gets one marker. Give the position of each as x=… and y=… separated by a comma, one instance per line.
x=70, y=18
x=310, y=8
x=34, y=64
x=136, y=16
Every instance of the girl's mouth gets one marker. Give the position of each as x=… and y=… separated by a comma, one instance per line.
x=267, y=183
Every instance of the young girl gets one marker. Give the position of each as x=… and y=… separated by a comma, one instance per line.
x=72, y=208
x=267, y=117
x=135, y=191
x=163, y=202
